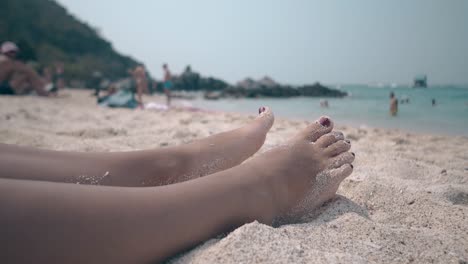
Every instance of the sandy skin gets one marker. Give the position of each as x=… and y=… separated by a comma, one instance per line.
x=153, y=167
x=138, y=225
x=305, y=172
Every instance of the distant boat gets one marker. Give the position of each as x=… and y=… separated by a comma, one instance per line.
x=420, y=81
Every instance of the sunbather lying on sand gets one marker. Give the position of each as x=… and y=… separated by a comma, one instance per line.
x=152, y=204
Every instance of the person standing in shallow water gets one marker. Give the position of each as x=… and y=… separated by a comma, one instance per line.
x=167, y=84
x=393, y=105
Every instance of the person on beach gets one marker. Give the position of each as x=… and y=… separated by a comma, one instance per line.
x=16, y=78
x=148, y=205
x=393, y=104
x=324, y=103
x=139, y=75
x=167, y=83
x=111, y=90
x=95, y=83
x=47, y=74
x=59, y=79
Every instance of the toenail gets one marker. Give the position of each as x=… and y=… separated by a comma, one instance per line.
x=324, y=121
x=261, y=110
x=352, y=153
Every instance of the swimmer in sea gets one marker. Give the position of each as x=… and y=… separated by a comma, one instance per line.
x=393, y=105
x=145, y=206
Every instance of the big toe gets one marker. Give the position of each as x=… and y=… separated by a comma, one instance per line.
x=315, y=130
x=265, y=117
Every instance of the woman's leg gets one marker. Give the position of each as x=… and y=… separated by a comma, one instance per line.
x=47, y=222
x=44, y=222
x=11, y=68
x=138, y=168
x=168, y=96
x=139, y=87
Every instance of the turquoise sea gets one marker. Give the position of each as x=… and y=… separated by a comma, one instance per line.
x=369, y=106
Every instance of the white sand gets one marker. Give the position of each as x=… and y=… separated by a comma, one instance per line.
x=407, y=200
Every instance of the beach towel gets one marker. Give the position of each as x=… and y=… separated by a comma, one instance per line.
x=156, y=106
x=122, y=98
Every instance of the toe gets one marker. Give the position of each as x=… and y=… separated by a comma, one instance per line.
x=266, y=116
x=339, y=174
x=338, y=147
x=329, y=139
x=263, y=110
x=340, y=160
x=319, y=128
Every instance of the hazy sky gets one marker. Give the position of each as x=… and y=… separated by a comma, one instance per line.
x=293, y=41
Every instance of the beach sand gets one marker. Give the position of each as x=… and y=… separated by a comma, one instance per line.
x=406, y=201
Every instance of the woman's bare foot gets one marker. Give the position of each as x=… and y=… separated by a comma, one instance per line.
x=303, y=174
x=141, y=225
x=153, y=167
x=202, y=157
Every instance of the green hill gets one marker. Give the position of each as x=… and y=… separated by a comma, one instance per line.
x=47, y=33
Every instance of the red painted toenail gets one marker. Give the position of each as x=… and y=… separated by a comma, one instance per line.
x=324, y=121
x=261, y=110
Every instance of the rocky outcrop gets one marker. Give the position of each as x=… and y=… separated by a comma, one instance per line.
x=193, y=81
x=266, y=87
x=319, y=90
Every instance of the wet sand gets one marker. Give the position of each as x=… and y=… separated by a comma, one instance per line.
x=406, y=202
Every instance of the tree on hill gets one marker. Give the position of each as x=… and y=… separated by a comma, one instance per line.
x=47, y=33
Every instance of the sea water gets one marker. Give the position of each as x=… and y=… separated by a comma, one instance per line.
x=369, y=106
